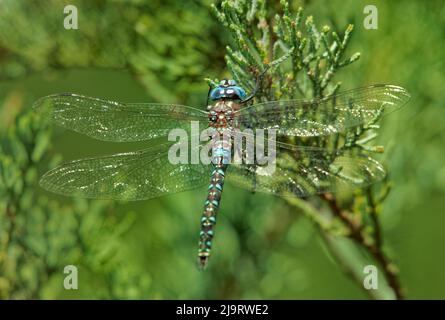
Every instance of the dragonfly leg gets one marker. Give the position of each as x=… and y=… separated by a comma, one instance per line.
x=257, y=86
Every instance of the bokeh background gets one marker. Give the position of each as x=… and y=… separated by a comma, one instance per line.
x=134, y=51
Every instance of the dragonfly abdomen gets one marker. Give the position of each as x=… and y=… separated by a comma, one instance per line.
x=208, y=219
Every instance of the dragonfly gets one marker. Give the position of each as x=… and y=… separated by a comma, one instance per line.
x=300, y=171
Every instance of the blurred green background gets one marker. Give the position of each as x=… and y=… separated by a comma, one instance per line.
x=136, y=51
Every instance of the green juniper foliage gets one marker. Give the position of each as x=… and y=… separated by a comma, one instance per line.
x=38, y=236
x=156, y=49
x=301, y=60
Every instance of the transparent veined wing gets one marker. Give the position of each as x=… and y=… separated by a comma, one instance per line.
x=135, y=175
x=116, y=121
x=304, y=171
x=332, y=114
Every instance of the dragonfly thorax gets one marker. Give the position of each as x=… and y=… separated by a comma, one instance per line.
x=221, y=114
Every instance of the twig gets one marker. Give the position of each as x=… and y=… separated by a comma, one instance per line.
x=344, y=264
x=375, y=219
x=357, y=235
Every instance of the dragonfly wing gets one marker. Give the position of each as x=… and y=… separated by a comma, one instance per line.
x=325, y=116
x=135, y=175
x=305, y=171
x=115, y=121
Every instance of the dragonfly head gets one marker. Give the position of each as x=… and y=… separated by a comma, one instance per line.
x=228, y=89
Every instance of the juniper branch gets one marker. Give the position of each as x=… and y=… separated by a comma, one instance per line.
x=304, y=60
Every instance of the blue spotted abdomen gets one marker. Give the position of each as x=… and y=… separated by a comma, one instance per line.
x=220, y=160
